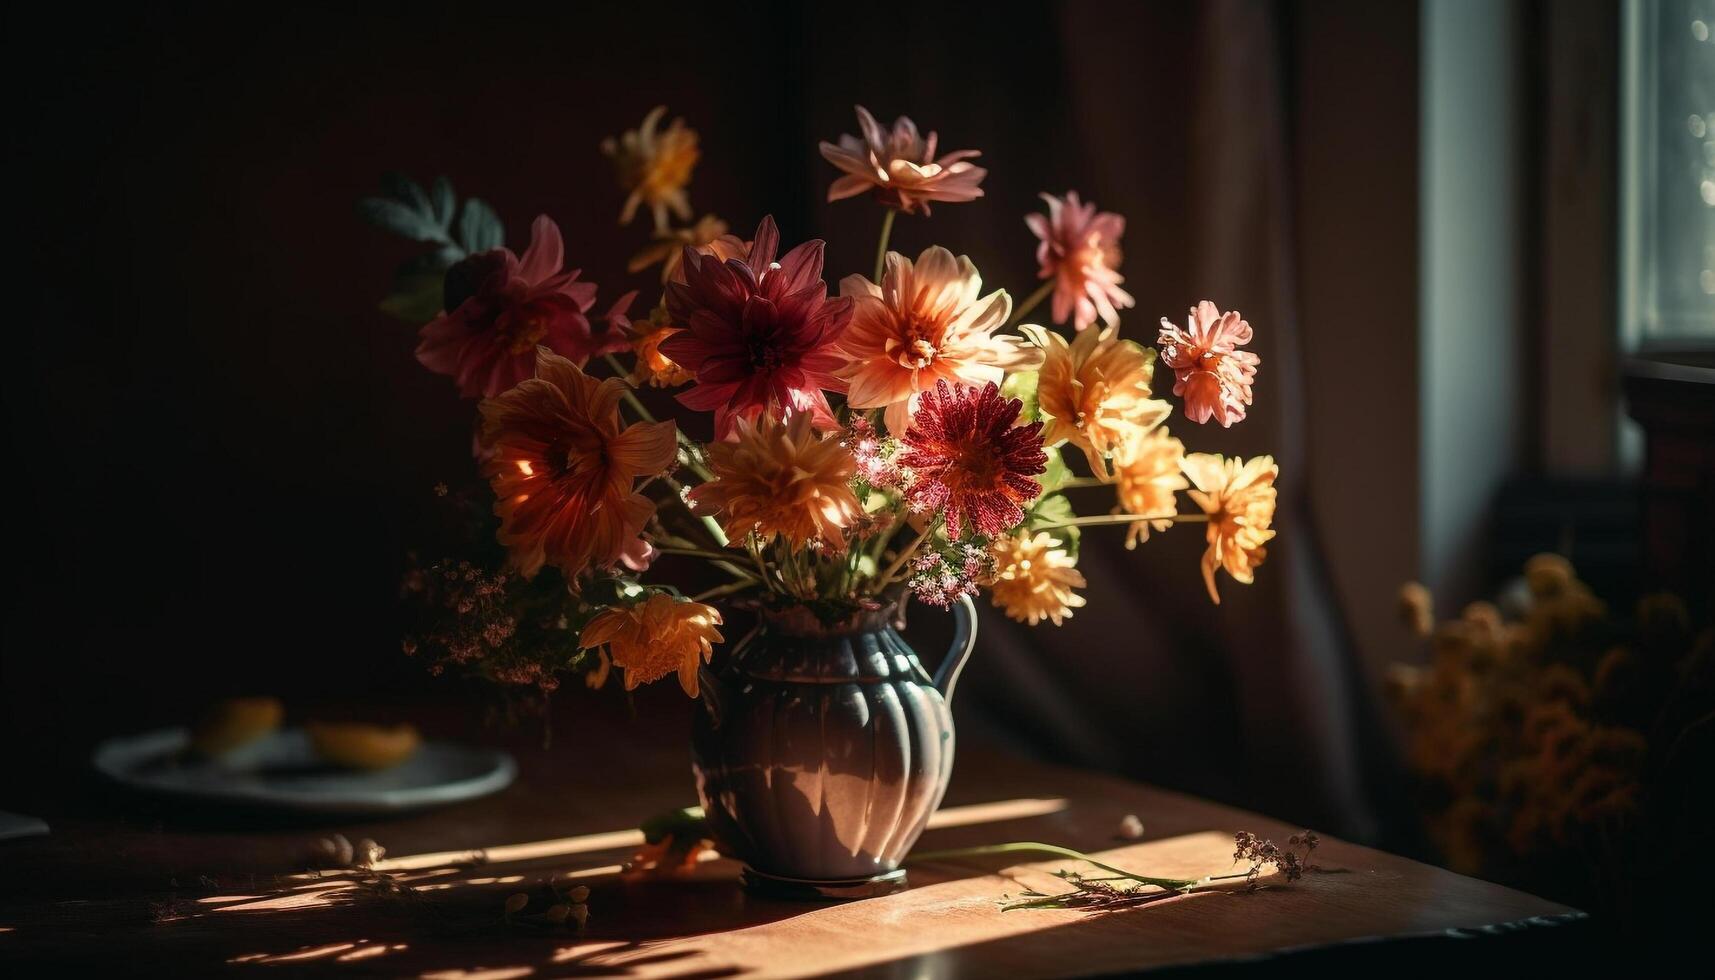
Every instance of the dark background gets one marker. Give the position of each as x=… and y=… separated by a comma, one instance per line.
x=223, y=450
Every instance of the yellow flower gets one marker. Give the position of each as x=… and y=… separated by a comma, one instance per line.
x=1148, y=475
x=1238, y=496
x=655, y=167
x=781, y=478
x=1034, y=578
x=1094, y=392
x=655, y=638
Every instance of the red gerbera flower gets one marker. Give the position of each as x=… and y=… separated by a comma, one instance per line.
x=969, y=460
x=759, y=335
x=500, y=307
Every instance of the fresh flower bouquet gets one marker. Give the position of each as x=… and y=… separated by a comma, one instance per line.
x=906, y=436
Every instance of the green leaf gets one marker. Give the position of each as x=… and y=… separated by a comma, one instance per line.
x=406, y=191
x=1055, y=475
x=416, y=300
x=444, y=202
x=1051, y=508
x=401, y=219
x=1022, y=386
x=685, y=824
x=480, y=228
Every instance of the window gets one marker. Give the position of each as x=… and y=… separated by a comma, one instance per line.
x=1667, y=251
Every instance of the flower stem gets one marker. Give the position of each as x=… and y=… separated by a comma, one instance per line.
x=714, y=556
x=1032, y=301
x=886, y=577
x=1124, y=519
x=881, y=246
x=727, y=589
x=1173, y=884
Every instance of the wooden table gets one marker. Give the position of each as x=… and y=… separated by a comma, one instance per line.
x=121, y=884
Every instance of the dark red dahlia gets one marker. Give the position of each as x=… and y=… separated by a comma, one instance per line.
x=759, y=335
x=970, y=460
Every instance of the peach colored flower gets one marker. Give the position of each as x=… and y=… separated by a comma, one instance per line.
x=1034, y=578
x=1094, y=392
x=1146, y=476
x=1080, y=251
x=668, y=248
x=1238, y=495
x=563, y=468
x=927, y=321
x=781, y=477
x=1209, y=372
x=655, y=167
x=900, y=167
x=656, y=637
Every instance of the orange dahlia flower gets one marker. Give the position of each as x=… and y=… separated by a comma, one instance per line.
x=655, y=167
x=1147, y=474
x=1034, y=578
x=781, y=477
x=653, y=367
x=563, y=468
x=1080, y=252
x=1094, y=392
x=900, y=166
x=1238, y=496
x=658, y=636
x=1209, y=371
x=926, y=322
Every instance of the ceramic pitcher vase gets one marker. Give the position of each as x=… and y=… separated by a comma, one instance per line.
x=823, y=749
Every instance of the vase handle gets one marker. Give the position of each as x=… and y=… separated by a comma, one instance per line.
x=964, y=641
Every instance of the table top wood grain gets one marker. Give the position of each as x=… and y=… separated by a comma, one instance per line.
x=121, y=883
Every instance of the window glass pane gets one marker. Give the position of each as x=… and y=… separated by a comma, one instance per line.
x=1672, y=235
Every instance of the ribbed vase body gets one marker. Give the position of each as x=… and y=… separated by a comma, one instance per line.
x=824, y=752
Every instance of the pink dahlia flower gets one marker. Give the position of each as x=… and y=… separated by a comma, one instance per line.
x=759, y=335
x=500, y=308
x=900, y=166
x=1080, y=252
x=1210, y=373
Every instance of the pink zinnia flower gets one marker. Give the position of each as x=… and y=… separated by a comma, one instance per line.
x=970, y=461
x=1209, y=372
x=759, y=335
x=500, y=308
x=1080, y=251
x=900, y=166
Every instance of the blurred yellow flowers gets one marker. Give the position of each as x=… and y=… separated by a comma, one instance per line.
x=1034, y=577
x=656, y=637
x=655, y=167
x=1238, y=495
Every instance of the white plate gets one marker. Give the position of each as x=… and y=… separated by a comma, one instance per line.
x=281, y=771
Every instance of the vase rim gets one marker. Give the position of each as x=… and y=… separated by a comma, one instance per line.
x=798, y=620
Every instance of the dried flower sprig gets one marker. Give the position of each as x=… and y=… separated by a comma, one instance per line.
x=1123, y=888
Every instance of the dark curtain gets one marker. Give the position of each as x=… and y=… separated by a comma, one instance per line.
x=224, y=450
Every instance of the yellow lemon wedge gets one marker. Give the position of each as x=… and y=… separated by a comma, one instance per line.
x=359, y=746
x=236, y=722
